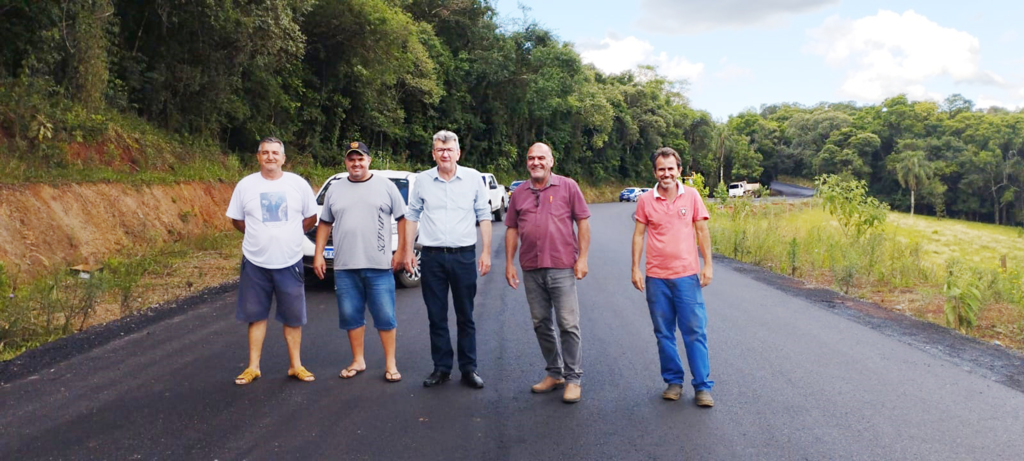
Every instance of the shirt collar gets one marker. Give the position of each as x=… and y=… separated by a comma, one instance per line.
x=459, y=173
x=679, y=185
x=553, y=180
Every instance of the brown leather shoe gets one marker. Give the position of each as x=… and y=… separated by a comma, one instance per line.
x=703, y=399
x=546, y=385
x=572, y=393
x=673, y=392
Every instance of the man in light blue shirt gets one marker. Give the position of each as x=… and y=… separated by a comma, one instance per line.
x=447, y=202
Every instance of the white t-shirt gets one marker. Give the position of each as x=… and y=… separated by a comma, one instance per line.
x=273, y=212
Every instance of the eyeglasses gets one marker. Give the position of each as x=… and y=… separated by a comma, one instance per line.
x=441, y=150
x=536, y=197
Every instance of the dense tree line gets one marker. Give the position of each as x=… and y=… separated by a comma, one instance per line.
x=945, y=159
x=320, y=73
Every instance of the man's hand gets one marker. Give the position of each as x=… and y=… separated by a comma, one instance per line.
x=485, y=263
x=705, y=275
x=409, y=260
x=398, y=261
x=319, y=265
x=511, y=276
x=580, y=268
x=638, y=279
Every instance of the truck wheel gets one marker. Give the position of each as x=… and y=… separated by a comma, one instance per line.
x=410, y=279
x=499, y=212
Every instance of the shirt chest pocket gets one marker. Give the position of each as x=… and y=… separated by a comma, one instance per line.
x=559, y=208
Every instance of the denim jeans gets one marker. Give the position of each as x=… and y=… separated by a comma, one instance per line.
x=359, y=289
x=554, y=291
x=679, y=301
x=439, y=273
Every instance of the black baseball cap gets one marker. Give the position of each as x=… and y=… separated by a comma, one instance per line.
x=358, y=147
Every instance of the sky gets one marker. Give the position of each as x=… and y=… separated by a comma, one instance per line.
x=737, y=55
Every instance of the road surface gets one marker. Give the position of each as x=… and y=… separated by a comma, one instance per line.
x=801, y=374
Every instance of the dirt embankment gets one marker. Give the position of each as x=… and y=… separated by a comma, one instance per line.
x=44, y=227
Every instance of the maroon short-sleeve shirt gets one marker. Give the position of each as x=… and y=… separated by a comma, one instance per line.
x=545, y=220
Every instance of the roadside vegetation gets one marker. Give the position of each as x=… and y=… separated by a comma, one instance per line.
x=967, y=276
x=34, y=312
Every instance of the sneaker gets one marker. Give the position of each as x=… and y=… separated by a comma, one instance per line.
x=703, y=399
x=673, y=392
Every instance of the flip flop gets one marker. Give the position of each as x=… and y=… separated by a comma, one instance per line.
x=302, y=374
x=247, y=376
x=392, y=377
x=354, y=371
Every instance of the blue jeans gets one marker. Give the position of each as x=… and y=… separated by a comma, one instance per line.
x=441, y=272
x=359, y=289
x=679, y=301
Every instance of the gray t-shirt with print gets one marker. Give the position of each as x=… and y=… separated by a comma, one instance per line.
x=361, y=213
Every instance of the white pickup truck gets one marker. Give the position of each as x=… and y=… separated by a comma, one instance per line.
x=739, y=189
x=405, y=181
x=496, y=195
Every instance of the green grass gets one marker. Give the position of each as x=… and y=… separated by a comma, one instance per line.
x=911, y=259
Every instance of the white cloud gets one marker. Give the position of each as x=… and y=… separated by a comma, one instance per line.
x=615, y=55
x=889, y=53
x=985, y=102
x=733, y=72
x=694, y=16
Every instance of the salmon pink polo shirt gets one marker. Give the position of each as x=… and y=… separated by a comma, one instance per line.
x=671, y=234
x=544, y=218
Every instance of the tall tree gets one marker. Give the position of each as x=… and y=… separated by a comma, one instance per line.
x=912, y=171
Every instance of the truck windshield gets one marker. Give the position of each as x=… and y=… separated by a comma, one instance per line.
x=403, y=188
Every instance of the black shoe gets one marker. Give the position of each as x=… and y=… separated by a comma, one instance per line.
x=436, y=378
x=473, y=380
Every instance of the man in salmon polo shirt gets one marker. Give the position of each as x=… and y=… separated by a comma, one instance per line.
x=675, y=220
x=553, y=258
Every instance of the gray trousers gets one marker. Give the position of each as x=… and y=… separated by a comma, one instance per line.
x=554, y=290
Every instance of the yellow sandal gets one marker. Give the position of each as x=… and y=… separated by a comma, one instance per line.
x=247, y=376
x=302, y=374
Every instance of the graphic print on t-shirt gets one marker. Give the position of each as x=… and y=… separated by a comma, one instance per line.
x=274, y=206
x=381, y=217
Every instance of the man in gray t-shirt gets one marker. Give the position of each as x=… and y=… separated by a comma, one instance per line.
x=359, y=209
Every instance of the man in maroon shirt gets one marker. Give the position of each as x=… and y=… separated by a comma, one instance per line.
x=553, y=257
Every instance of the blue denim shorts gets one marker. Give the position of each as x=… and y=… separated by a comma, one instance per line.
x=258, y=286
x=360, y=289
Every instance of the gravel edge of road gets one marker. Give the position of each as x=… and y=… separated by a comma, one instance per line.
x=68, y=347
x=996, y=363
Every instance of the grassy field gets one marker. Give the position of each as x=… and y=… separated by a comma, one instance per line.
x=913, y=264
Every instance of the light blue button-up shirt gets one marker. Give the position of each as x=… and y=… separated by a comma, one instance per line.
x=448, y=210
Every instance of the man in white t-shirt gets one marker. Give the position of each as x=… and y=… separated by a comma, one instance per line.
x=273, y=209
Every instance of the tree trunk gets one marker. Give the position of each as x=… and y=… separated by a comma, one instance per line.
x=911, y=202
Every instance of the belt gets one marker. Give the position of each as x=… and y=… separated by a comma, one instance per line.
x=448, y=249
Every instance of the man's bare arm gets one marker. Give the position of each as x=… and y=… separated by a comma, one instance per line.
x=704, y=244
x=638, y=250
x=239, y=224
x=485, y=253
x=308, y=223
x=511, y=245
x=580, y=269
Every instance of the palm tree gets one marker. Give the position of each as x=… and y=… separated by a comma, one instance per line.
x=912, y=170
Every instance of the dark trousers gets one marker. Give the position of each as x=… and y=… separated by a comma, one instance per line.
x=441, y=272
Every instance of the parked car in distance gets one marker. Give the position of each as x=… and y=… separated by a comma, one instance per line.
x=739, y=189
x=405, y=181
x=627, y=194
x=496, y=195
x=512, y=187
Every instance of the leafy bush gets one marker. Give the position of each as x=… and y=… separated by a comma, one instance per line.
x=847, y=201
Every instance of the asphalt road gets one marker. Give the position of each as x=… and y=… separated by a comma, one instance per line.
x=800, y=375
